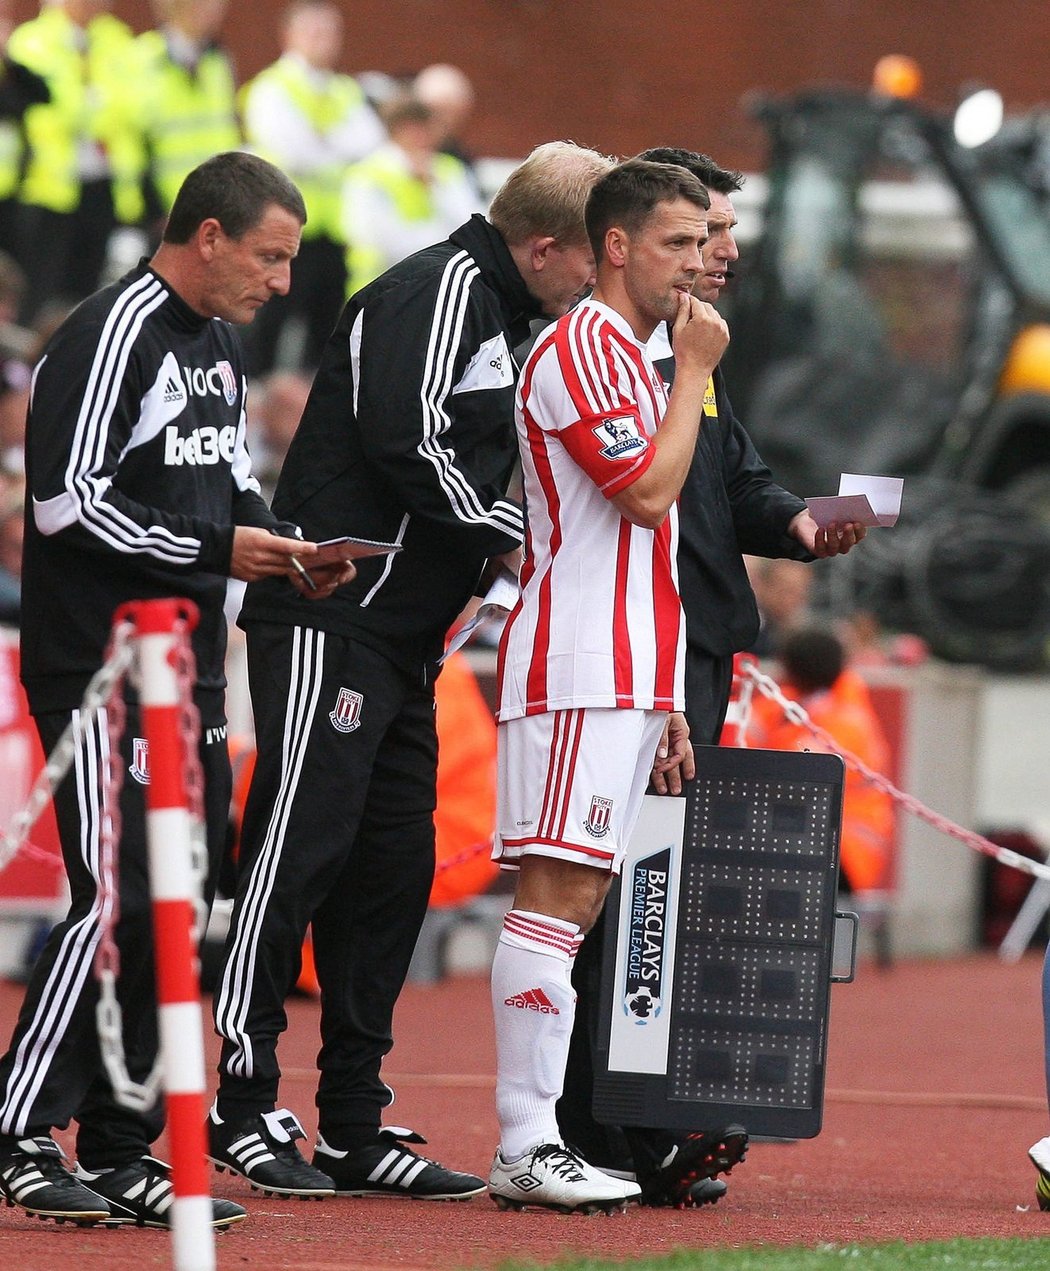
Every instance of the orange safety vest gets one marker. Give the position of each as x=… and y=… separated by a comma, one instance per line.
x=465, y=819
x=845, y=712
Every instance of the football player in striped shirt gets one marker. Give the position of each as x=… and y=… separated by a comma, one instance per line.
x=592, y=658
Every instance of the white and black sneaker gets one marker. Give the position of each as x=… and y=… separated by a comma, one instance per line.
x=141, y=1193
x=33, y=1176
x=553, y=1176
x=262, y=1150
x=384, y=1168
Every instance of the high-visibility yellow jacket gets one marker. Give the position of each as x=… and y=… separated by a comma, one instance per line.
x=186, y=116
x=12, y=152
x=88, y=71
x=388, y=212
x=20, y=88
x=326, y=103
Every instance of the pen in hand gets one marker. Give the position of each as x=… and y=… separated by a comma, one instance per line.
x=296, y=563
x=298, y=567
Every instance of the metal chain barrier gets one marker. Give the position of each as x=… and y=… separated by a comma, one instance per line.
x=977, y=842
x=104, y=694
x=108, y=1014
x=14, y=839
x=103, y=690
x=129, y=1093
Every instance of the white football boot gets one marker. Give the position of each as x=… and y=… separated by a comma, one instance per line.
x=552, y=1176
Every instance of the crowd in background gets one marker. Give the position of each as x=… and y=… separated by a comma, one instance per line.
x=98, y=127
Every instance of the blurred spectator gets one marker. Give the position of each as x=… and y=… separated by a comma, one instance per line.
x=862, y=638
x=20, y=88
x=782, y=589
x=449, y=96
x=15, y=341
x=311, y=121
x=12, y=289
x=15, y=378
x=380, y=88
x=82, y=164
x=836, y=700
x=12, y=512
x=186, y=102
x=405, y=196
x=275, y=406
x=274, y=411
x=49, y=318
x=867, y=644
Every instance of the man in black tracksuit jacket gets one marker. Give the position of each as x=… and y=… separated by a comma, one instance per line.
x=140, y=488
x=407, y=438
x=729, y=506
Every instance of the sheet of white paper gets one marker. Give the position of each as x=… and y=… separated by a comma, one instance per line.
x=883, y=493
x=840, y=508
x=867, y=500
x=500, y=598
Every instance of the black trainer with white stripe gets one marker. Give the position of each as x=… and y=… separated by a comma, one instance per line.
x=34, y=1177
x=384, y=1168
x=262, y=1149
x=141, y=1193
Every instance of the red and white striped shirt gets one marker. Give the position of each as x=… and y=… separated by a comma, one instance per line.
x=599, y=622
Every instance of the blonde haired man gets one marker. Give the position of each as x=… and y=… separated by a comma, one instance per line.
x=408, y=439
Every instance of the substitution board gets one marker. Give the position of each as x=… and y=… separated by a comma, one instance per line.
x=719, y=948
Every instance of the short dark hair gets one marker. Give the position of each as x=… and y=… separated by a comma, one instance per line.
x=812, y=659
x=722, y=180
x=628, y=193
x=234, y=188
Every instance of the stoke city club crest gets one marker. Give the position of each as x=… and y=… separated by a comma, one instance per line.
x=597, y=823
x=139, y=767
x=347, y=713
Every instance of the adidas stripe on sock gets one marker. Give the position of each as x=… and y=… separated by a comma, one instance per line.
x=533, y=1004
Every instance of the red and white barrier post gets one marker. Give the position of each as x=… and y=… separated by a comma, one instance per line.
x=172, y=885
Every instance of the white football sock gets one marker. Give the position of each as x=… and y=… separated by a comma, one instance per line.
x=533, y=1004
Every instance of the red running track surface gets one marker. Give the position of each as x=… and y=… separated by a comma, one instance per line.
x=934, y=1095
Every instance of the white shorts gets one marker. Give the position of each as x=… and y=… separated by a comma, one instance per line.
x=571, y=784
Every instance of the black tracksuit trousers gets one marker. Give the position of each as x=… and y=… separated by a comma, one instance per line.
x=338, y=833
x=52, y=1072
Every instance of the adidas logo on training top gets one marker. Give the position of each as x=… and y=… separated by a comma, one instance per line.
x=173, y=391
x=532, y=1000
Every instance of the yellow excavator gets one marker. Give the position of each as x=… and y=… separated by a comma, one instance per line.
x=892, y=317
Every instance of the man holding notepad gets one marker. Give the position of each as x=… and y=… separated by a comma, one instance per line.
x=406, y=446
